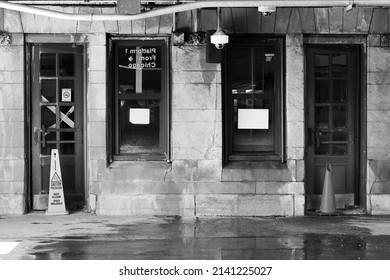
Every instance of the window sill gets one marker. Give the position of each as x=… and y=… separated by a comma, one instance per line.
x=141, y=157
x=259, y=158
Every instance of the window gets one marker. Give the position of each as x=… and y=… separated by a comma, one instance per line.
x=253, y=104
x=139, y=100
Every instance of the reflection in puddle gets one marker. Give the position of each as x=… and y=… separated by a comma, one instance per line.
x=308, y=246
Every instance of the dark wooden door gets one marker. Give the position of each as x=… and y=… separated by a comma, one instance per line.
x=57, y=120
x=331, y=122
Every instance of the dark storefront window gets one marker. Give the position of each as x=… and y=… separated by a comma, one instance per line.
x=140, y=100
x=253, y=100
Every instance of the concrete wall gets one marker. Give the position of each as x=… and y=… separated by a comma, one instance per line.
x=378, y=126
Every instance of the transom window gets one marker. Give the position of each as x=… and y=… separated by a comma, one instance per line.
x=140, y=99
x=253, y=100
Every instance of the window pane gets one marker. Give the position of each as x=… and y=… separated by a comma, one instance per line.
x=137, y=133
x=139, y=69
x=247, y=140
x=339, y=65
x=339, y=116
x=66, y=91
x=241, y=77
x=48, y=65
x=321, y=65
x=339, y=91
x=48, y=90
x=66, y=64
x=322, y=117
x=322, y=91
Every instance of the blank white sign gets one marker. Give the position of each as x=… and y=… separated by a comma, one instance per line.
x=253, y=118
x=139, y=116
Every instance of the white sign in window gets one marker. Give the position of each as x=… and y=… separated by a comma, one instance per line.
x=253, y=118
x=139, y=116
x=66, y=95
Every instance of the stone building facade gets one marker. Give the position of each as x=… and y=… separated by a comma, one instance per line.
x=196, y=177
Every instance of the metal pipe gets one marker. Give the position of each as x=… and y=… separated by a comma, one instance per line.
x=189, y=6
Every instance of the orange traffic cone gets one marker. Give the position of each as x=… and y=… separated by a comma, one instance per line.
x=328, y=200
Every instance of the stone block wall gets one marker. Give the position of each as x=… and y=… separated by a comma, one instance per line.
x=378, y=126
x=12, y=160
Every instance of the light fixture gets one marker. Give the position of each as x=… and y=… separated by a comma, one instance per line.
x=267, y=10
x=219, y=38
x=350, y=6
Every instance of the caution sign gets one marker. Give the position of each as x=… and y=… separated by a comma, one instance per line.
x=56, y=190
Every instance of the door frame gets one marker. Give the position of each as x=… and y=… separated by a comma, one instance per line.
x=361, y=106
x=29, y=40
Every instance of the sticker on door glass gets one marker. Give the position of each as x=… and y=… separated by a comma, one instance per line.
x=139, y=116
x=66, y=95
x=253, y=118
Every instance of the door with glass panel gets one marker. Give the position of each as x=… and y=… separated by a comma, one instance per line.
x=57, y=120
x=331, y=121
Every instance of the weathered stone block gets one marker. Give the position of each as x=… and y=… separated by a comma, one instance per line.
x=257, y=171
x=12, y=134
x=152, y=25
x=137, y=171
x=191, y=58
x=336, y=20
x=194, y=96
x=96, y=96
x=124, y=26
x=204, y=116
x=195, y=77
x=12, y=96
x=97, y=58
x=379, y=170
x=378, y=59
x=10, y=57
x=169, y=187
x=11, y=187
x=295, y=134
x=92, y=202
x=296, y=188
x=12, y=204
x=299, y=205
x=380, y=204
x=165, y=205
x=378, y=135
x=378, y=78
x=138, y=26
x=378, y=97
x=226, y=187
x=193, y=134
x=380, y=187
x=209, y=170
x=12, y=77
x=382, y=153
x=12, y=21
x=374, y=40
x=97, y=115
x=244, y=205
x=97, y=77
x=122, y=188
x=183, y=170
x=97, y=134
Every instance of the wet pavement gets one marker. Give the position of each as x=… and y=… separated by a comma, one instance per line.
x=82, y=236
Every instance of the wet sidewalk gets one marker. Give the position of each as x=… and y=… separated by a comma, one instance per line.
x=81, y=235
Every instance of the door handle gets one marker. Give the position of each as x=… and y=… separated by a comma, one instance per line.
x=39, y=136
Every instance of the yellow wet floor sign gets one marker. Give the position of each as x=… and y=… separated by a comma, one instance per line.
x=56, y=190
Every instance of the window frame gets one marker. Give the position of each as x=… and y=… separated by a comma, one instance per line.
x=227, y=103
x=113, y=135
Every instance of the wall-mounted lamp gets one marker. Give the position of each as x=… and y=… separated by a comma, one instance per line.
x=267, y=10
x=350, y=6
x=219, y=38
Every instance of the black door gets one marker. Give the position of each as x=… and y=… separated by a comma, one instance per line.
x=57, y=120
x=331, y=121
